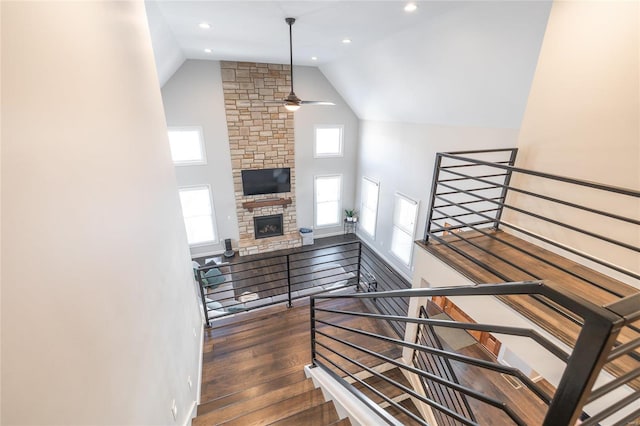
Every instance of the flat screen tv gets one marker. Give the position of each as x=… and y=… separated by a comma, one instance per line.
x=266, y=181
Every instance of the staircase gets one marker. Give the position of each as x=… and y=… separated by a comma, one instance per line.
x=292, y=400
x=253, y=371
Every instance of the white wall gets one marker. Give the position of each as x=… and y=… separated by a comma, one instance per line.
x=99, y=320
x=193, y=97
x=310, y=84
x=583, y=121
x=401, y=157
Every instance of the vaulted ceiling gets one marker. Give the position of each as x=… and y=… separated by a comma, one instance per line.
x=460, y=63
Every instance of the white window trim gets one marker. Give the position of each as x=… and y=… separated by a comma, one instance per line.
x=413, y=232
x=375, y=222
x=216, y=240
x=202, y=147
x=315, y=203
x=328, y=126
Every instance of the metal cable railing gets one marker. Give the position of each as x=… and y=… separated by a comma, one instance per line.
x=348, y=341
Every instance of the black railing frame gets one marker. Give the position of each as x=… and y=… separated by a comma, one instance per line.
x=595, y=342
x=288, y=268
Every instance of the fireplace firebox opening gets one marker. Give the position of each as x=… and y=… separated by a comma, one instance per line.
x=268, y=226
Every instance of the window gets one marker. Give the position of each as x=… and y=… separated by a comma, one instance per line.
x=404, y=226
x=328, y=141
x=327, y=200
x=369, y=206
x=187, y=146
x=198, y=213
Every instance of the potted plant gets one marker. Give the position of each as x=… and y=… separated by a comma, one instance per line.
x=351, y=215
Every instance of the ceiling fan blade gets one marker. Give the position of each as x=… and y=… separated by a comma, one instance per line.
x=316, y=103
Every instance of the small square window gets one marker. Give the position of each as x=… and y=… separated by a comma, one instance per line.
x=187, y=146
x=328, y=141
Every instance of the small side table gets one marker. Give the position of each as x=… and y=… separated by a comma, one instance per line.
x=350, y=227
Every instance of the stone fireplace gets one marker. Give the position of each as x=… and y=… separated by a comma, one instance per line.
x=267, y=226
x=260, y=137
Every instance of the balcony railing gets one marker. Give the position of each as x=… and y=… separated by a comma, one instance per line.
x=332, y=339
x=242, y=285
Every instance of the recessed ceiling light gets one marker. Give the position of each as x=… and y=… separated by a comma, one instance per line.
x=314, y=58
x=410, y=7
x=346, y=40
x=204, y=25
x=207, y=50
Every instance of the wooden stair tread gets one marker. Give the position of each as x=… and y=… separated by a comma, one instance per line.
x=240, y=408
x=280, y=410
x=319, y=415
x=401, y=416
x=383, y=386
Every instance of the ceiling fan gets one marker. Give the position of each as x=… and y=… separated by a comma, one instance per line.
x=292, y=102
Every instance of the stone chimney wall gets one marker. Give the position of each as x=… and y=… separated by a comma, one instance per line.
x=260, y=136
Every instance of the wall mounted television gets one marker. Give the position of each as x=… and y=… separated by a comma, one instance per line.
x=266, y=181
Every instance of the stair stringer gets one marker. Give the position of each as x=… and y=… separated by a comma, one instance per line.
x=347, y=405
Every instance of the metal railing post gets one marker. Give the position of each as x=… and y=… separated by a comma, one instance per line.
x=505, y=188
x=432, y=201
x=589, y=355
x=312, y=316
x=359, y=265
x=204, y=300
x=290, y=304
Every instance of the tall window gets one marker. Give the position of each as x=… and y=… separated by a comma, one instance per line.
x=199, y=217
x=187, y=146
x=369, y=206
x=327, y=200
x=404, y=226
x=328, y=141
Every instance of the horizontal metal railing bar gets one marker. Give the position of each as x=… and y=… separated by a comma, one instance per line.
x=533, y=255
x=545, y=197
x=318, y=260
x=394, y=383
x=484, y=188
x=499, y=329
x=571, y=250
x=613, y=384
x=551, y=305
x=268, y=257
x=464, y=178
x=339, y=262
x=575, y=303
x=465, y=203
x=465, y=214
x=624, y=349
x=549, y=220
x=483, y=151
x=455, y=166
x=530, y=384
x=316, y=249
x=454, y=227
x=245, y=262
x=603, y=187
x=388, y=418
x=612, y=409
x=625, y=421
x=479, y=247
x=427, y=336
x=463, y=389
